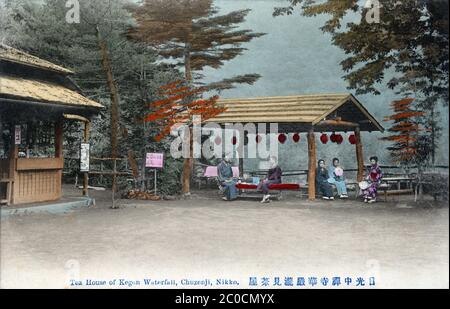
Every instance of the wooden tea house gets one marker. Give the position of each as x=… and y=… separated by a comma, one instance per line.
x=36, y=98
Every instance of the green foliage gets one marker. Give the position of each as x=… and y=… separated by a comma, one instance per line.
x=41, y=29
x=411, y=40
x=191, y=32
x=410, y=35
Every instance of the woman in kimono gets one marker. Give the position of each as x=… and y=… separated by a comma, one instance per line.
x=322, y=184
x=226, y=179
x=374, y=176
x=273, y=176
x=336, y=177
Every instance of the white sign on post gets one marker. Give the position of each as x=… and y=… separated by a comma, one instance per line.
x=154, y=160
x=17, y=135
x=84, y=157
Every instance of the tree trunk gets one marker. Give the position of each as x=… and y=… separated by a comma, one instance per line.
x=107, y=68
x=433, y=136
x=188, y=162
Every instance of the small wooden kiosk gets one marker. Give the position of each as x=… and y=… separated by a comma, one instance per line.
x=304, y=113
x=36, y=98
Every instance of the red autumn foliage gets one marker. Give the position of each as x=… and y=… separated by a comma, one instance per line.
x=178, y=105
x=405, y=130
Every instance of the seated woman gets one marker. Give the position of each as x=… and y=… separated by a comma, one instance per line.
x=336, y=177
x=273, y=176
x=226, y=180
x=323, y=186
x=374, y=176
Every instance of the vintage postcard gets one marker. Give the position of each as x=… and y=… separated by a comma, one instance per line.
x=224, y=144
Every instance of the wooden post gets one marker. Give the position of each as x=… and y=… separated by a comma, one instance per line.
x=59, y=137
x=312, y=158
x=13, y=155
x=87, y=128
x=241, y=167
x=359, y=155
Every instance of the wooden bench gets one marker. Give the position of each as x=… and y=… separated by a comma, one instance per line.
x=351, y=186
x=209, y=172
x=250, y=190
x=396, y=181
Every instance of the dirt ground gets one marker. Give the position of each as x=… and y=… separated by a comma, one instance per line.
x=399, y=244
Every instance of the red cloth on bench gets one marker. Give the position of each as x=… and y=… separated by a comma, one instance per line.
x=275, y=186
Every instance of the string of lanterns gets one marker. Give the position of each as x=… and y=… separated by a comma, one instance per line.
x=282, y=138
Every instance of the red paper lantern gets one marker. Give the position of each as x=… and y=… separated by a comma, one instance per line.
x=324, y=138
x=234, y=140
x=352, y=139
x=296, y=137
x=218, y=140
x=282, y=138
x=258, y=138
x=339, y=139
x=333, y=138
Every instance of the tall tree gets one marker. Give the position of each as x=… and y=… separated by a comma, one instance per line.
x=191, y=32
x=409, y=41
x=42, y=30
x=407, y=31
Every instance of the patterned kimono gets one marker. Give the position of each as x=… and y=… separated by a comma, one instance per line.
x=374, y=176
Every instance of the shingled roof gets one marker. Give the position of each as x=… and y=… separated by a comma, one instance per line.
x=42, y=91
x=19, y=86
x=8, y=53
x=298, y=109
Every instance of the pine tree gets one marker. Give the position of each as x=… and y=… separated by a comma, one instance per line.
x=41, y=29
x=191, y=32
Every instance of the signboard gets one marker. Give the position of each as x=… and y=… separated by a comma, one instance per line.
x=154, y=160
x=17, y=135
x=84, y=157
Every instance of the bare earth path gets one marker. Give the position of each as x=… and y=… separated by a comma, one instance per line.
x=398, y=244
